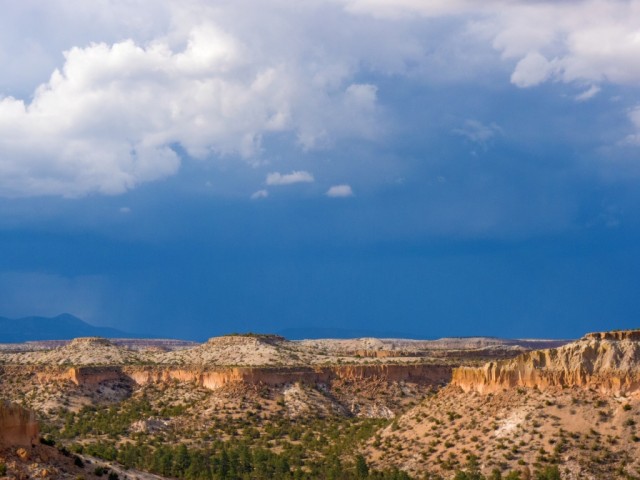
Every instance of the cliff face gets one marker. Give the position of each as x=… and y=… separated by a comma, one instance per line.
x=609, y=362
x=213, y=378
x=216, y=378
x=18, y=426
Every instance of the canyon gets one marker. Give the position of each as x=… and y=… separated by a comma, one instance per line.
x=215, y=378
x=440, y=407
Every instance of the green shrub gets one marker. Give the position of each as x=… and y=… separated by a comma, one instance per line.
x=548, y=473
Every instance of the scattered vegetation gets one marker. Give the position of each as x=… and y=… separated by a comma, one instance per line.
x=252, y=439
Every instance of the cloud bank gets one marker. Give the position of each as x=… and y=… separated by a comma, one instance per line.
x=212, y=80
x=116, y=115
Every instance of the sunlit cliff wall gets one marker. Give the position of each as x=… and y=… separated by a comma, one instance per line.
x=608, y=362
x=18, y=426
x=213, y=378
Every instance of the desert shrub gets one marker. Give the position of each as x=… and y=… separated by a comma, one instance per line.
x=460, y=475
x=496, y=474
x=548, y=473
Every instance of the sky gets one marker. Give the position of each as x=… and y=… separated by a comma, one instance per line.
x=379, y=167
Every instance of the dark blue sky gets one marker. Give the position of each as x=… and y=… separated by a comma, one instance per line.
x=396, y=168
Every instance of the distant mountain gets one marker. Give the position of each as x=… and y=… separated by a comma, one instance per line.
x=62, y=327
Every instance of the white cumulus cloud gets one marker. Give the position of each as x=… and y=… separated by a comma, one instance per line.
x=114, y=115
x=276, y=178
x=340, y=191
x=216, y=79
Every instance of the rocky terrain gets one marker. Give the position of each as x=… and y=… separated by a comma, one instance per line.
x=422, y=347
x=42, y=375
x=260, y=350
x=575, y=408
x=98, y=397
x=335, y=408
x=105, y=370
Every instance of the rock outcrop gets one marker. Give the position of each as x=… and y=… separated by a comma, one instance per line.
x=18, y=426
x=608, y=362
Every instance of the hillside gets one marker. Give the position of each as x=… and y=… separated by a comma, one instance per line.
x=80, y=351
x=575, y=408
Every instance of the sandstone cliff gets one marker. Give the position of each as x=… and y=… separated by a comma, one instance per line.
x=213, y=378
x=608, y=362
x=18, y=426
